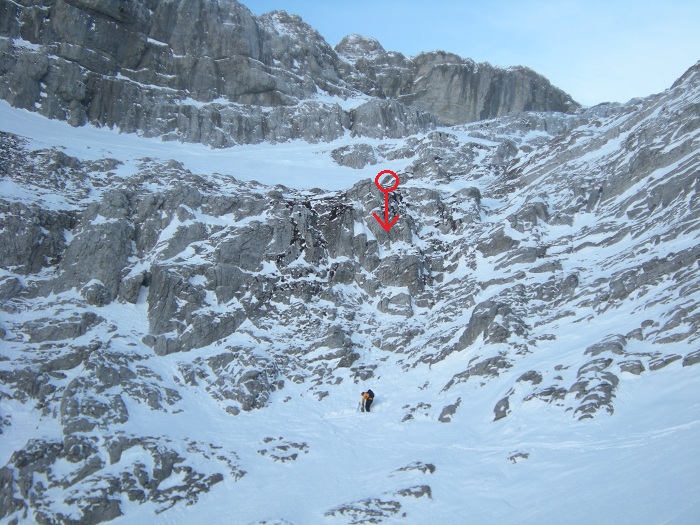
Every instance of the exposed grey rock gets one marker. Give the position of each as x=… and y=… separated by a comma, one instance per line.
x=596, y=365
x=595, y=388
x=625, y=282
x=501, y=409
x=296, y=274
x=370, y=510
x=614, y=344
x=547, y=267
x=449, y=411
x=389, y=119
x=10, y=287
x=176, y=312
x=495, y=321
x=213, y=90
x=205, y=328
x=34, y=381
x=692, y=358
x=422, y=408
x=60, y=329
x=273, y=522
x=662, y=361
x=356, y=156
x=398, y=305
x=191, y=88
x=497, y=243
x=532, y=376
x=552, y=394
x=418, y=491
x=527, y=254
x=104, y=239
x=82, y=413
x=300, y=50
x=487, y=92
x=529, y=216
x=37, y=455
x=84, y=63
x=11, y=504
x=282, y=451
x=633, y=366
x=238, y=379
x=95, y=293
x=409, y=270
x=420, y=466
x=516, y=456
x=450, y=87
x=489, y=367
x=130, y=287
x=355, y=47
x=32, y=238
x=83, y=464
x=339, y=346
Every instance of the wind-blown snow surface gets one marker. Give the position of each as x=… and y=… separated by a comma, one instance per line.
x=295, y=164
x=639, y=466
x=543, y=370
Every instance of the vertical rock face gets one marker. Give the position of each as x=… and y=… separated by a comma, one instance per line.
x=205, y=48
x=300, y=50
x=212, y=72
x=466, y=92
x=192, y=70
x=454, y=89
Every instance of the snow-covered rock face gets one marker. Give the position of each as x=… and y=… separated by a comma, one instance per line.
x=454, y=89
x=165, y=331
x=355, y=47
x=211, y=72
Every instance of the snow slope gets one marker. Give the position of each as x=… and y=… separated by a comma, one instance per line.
x=295, y=164
x=535, y=359
x=637, y=466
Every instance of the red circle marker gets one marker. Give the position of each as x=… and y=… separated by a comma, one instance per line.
x=386, y=223
x=382, y=188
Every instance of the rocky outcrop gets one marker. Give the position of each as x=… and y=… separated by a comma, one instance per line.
x=454, y=89
x=459, y=91
x=84, y=467
x=130, y=299
x=388, y=119
x=190, y=70
x=42, y=330
x=33, y=237
x=159, y=72
x=211, y=72
x=357, y=156
x=237, y=379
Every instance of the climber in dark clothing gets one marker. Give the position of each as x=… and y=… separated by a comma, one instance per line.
x=367, y=398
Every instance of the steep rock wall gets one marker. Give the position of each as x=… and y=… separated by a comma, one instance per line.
x=212, y=72
x=454, y=89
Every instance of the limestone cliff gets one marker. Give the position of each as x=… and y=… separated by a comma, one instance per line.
x=454, y=89
x=212, y=72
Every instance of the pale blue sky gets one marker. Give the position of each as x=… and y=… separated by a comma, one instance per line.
x=596, y=50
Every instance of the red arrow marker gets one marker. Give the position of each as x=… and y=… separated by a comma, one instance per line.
x=386, y=224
